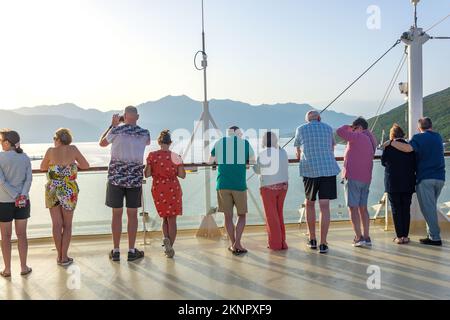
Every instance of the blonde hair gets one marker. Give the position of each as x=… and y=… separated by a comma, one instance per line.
x=64, y=135
x=396, y=132
x=164, y=137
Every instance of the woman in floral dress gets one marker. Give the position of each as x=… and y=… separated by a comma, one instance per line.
x=165, y=167
x=61, y=191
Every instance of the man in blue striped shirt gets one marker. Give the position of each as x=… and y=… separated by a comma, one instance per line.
x=315, y=143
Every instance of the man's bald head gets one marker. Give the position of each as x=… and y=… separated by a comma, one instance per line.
x=312, y=116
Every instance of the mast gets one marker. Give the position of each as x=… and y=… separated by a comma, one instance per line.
x=414, y=39
x=206, y=118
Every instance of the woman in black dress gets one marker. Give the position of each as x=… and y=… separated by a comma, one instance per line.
x=400, y=183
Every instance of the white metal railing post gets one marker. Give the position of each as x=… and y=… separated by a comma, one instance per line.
x=386, y=212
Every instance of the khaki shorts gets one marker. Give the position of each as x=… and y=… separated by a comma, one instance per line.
x=227, y=199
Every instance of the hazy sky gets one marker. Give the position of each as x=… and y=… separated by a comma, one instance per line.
x=110, y=53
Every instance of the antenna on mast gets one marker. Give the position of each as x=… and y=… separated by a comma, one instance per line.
x=415, y=2
x=204, y=55
x=203, y=28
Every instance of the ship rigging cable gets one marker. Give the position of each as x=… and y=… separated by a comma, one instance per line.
x=389, y=89
x=438, y=23
x=354, y=82
x=386, y=95
x=362, y=75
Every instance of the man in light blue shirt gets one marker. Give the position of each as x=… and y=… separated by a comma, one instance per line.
x=315, y=143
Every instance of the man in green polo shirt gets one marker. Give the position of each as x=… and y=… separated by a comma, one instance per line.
x=233, y=154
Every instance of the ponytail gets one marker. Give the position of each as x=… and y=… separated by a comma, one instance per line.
x=165, y=137
x=13, y=139
x=16, y=147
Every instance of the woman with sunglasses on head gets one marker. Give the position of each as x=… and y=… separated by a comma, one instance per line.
x=61, y=191
x=15, y=184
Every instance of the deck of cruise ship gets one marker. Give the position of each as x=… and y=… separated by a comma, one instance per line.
x=204, y=269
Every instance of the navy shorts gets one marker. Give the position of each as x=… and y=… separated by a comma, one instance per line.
x=9, y=212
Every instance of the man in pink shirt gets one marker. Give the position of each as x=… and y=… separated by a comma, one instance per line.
x=357, y=173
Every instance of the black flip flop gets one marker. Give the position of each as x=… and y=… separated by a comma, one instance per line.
x=239, y=251
x=233, y=251
x=26, y=272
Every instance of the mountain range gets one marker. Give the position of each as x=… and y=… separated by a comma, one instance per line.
x=37, y=124
x=436, y=106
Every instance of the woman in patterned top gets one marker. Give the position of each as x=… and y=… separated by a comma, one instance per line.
x=165, y=167
x=61, y=191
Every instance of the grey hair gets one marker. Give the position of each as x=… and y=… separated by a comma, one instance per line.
x=425, y=123
x=312, y=115
x=131, y=109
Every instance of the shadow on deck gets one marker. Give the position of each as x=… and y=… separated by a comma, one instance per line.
x=204, y=269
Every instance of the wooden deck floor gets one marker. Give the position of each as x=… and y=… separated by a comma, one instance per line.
x=204, y=269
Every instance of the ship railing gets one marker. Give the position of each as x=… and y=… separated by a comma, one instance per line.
x=92, y=217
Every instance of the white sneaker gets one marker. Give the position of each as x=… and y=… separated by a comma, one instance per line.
x=359, y=242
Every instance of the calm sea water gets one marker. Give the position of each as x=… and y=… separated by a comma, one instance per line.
x=98, y=156
x=93, y=217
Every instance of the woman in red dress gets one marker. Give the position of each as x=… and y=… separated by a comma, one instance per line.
x=165, y=167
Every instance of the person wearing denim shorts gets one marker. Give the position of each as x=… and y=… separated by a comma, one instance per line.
x=357, y=174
